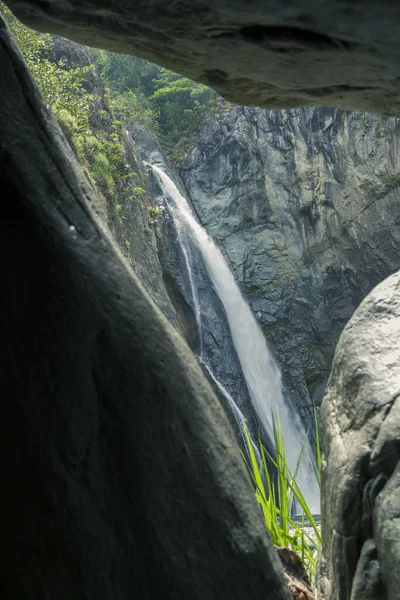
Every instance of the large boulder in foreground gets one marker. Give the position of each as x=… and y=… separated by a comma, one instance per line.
x=361, y=443
x=121, y=477
x=264, y=52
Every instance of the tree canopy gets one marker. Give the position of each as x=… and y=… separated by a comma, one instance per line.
x=169, y=104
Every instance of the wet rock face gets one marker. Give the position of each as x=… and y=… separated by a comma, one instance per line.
x=304, y=205
x=265, y=52
x=361, y=484
x=207, y=333
x=124, y=463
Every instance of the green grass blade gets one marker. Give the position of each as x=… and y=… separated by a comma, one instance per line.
x=276, y=501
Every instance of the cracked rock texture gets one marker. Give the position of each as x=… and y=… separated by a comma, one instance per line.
x=128, y=482
x=361, y=481
x=304, y=203
x=260, y=52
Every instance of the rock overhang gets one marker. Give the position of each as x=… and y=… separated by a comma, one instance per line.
x=264, y=52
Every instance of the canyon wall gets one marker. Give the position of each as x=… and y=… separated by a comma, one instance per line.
x=304, y=205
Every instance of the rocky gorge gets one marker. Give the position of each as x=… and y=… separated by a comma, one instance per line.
x=303, y=204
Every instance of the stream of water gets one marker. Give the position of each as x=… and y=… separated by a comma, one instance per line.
x=260, y=370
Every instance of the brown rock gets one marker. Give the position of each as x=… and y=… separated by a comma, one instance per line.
x=298, y=590
x=295, y=574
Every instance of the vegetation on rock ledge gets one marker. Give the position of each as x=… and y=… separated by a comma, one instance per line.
x=99, y=149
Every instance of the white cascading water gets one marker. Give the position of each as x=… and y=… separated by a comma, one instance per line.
x=237, y=413
x=259, y=368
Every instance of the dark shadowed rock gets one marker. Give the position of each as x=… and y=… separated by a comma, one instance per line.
x=128, y=483
x=295, y=571
x=361, y=446
x=264, y=52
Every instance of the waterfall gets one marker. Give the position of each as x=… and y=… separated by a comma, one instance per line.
x=237, y=413
x=261, y=373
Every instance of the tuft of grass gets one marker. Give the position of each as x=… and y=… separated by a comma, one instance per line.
x=277, y=498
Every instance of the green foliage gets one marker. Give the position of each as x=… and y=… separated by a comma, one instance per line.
x=100, y=168
x=154, y=212
x=383, y=183
x=32, y=44
x=60, y=84
x=276, y=500
x=121, y=211
x=104, y=156
x=139, y=92
x=134, y=109
x=69, y=124
x=380, y=132
x=126, y=73
x=182, y=104
x=170, y=105
x=180, y=149
x=137, y=193
x=363, y=121
x=100, y=151
x=130, y=80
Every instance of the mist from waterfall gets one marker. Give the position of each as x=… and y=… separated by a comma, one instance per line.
x=260, y=370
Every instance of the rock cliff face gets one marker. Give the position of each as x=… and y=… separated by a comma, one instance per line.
x=304, y=204
x=125, y=212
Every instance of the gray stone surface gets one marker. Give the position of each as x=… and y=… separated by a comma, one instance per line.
x=128, y=483
x=361, y=451
x=367, y=583
x=260, y=52
x=305, y=205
